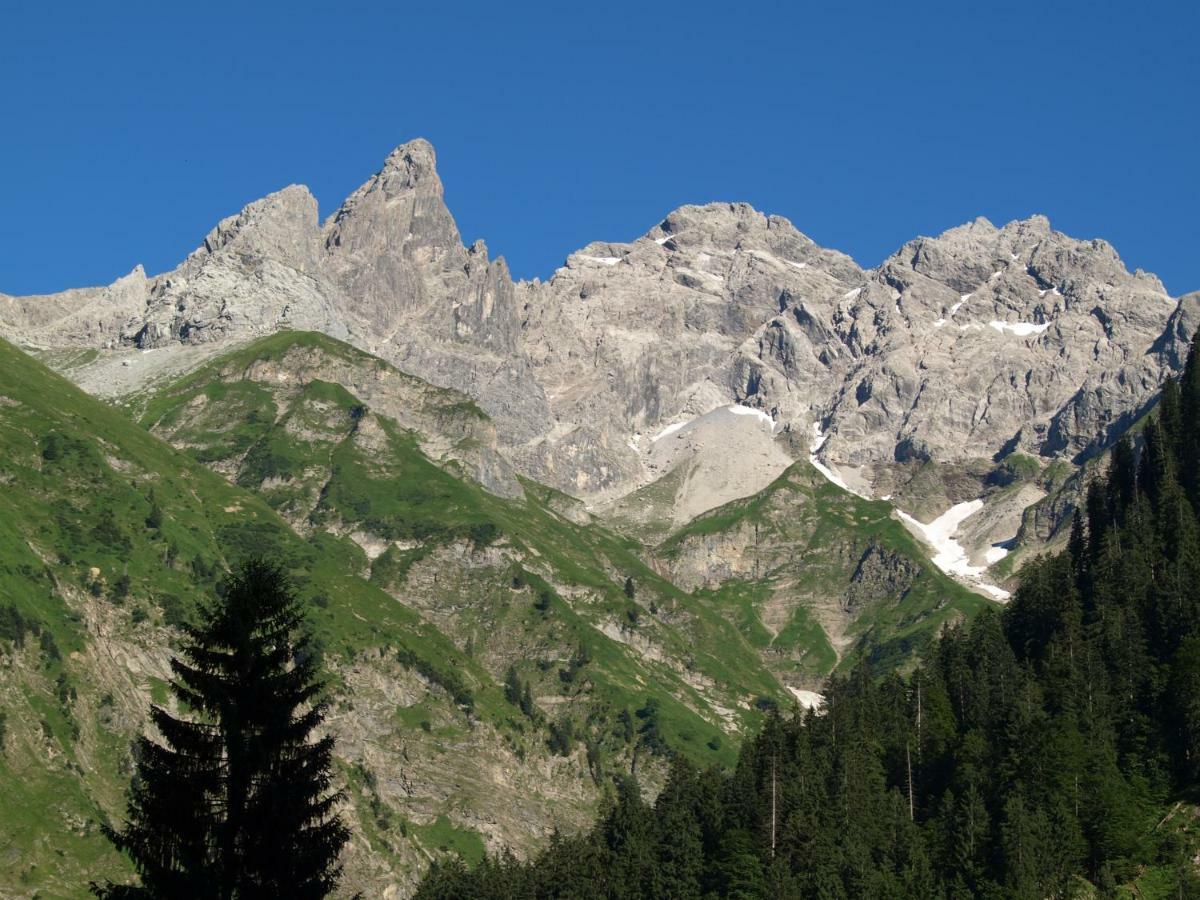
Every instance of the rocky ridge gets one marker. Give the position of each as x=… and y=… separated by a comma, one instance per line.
x=958, y=352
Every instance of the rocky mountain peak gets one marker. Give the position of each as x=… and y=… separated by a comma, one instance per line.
x=408, y=171
x=282, y=225
x=411, y=164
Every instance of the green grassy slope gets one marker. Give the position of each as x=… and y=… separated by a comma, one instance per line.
x=426, y=591
x=107, y=537
x=820, y=577
x=333, y=464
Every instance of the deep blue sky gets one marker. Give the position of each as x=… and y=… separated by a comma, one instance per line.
x=129, y=129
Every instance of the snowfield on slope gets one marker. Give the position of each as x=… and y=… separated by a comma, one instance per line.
x=950, y=556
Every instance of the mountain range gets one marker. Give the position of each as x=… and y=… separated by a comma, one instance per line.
x=666, y=490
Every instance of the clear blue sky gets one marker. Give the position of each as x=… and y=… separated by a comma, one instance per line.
x=129, y=129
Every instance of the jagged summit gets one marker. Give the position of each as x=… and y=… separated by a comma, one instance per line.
x=417, y=158
x=281, y=224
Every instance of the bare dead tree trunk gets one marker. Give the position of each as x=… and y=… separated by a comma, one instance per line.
x=908, y=759
x=774, y=760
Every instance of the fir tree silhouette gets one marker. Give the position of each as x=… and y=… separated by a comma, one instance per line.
x=236, y=801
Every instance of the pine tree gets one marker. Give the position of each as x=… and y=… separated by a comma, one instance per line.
x=628, y=833
x=1189, y=426
x=1122, y=480
x=680, y=846
x=512, y=686
x=236, y=802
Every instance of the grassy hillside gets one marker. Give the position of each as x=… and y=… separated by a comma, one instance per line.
x=510, y=577
x=496, y=655
x=817, y=578
x=109, y=537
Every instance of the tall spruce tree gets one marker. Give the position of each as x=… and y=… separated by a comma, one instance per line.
x=236, y=800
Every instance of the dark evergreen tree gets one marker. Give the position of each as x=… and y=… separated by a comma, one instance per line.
x=512, y=686
x=1189, y=423
x=236, y=801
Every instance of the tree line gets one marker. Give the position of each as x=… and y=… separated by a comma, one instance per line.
x=1034, y=753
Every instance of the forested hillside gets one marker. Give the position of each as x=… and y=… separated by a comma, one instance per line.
x=1052, y=750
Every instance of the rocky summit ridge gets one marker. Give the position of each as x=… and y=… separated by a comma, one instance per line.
x=959, y=352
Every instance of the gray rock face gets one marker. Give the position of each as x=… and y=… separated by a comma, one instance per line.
x=630, y=337
x=969, y=345
x=256, y=272
x=416, y=296
x=986, y=340
x=84, y=317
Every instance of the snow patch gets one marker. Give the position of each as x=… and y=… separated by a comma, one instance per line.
x=1020, y=329
x=808, y=699
x=662, y=240
x=819, y=437
x=851, y=294
x=739, y=410
x=602, y=260
x=950, y=556
x=797, y=265
x=998, y=592
x=995, y=553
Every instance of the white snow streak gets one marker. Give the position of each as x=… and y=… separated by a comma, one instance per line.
x=739, y=410
x=1020, y=329
x=950, y=556
x=808, y=699
x=963, y=298
x=831, y=475
x=668, y=431
x=603, y=260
